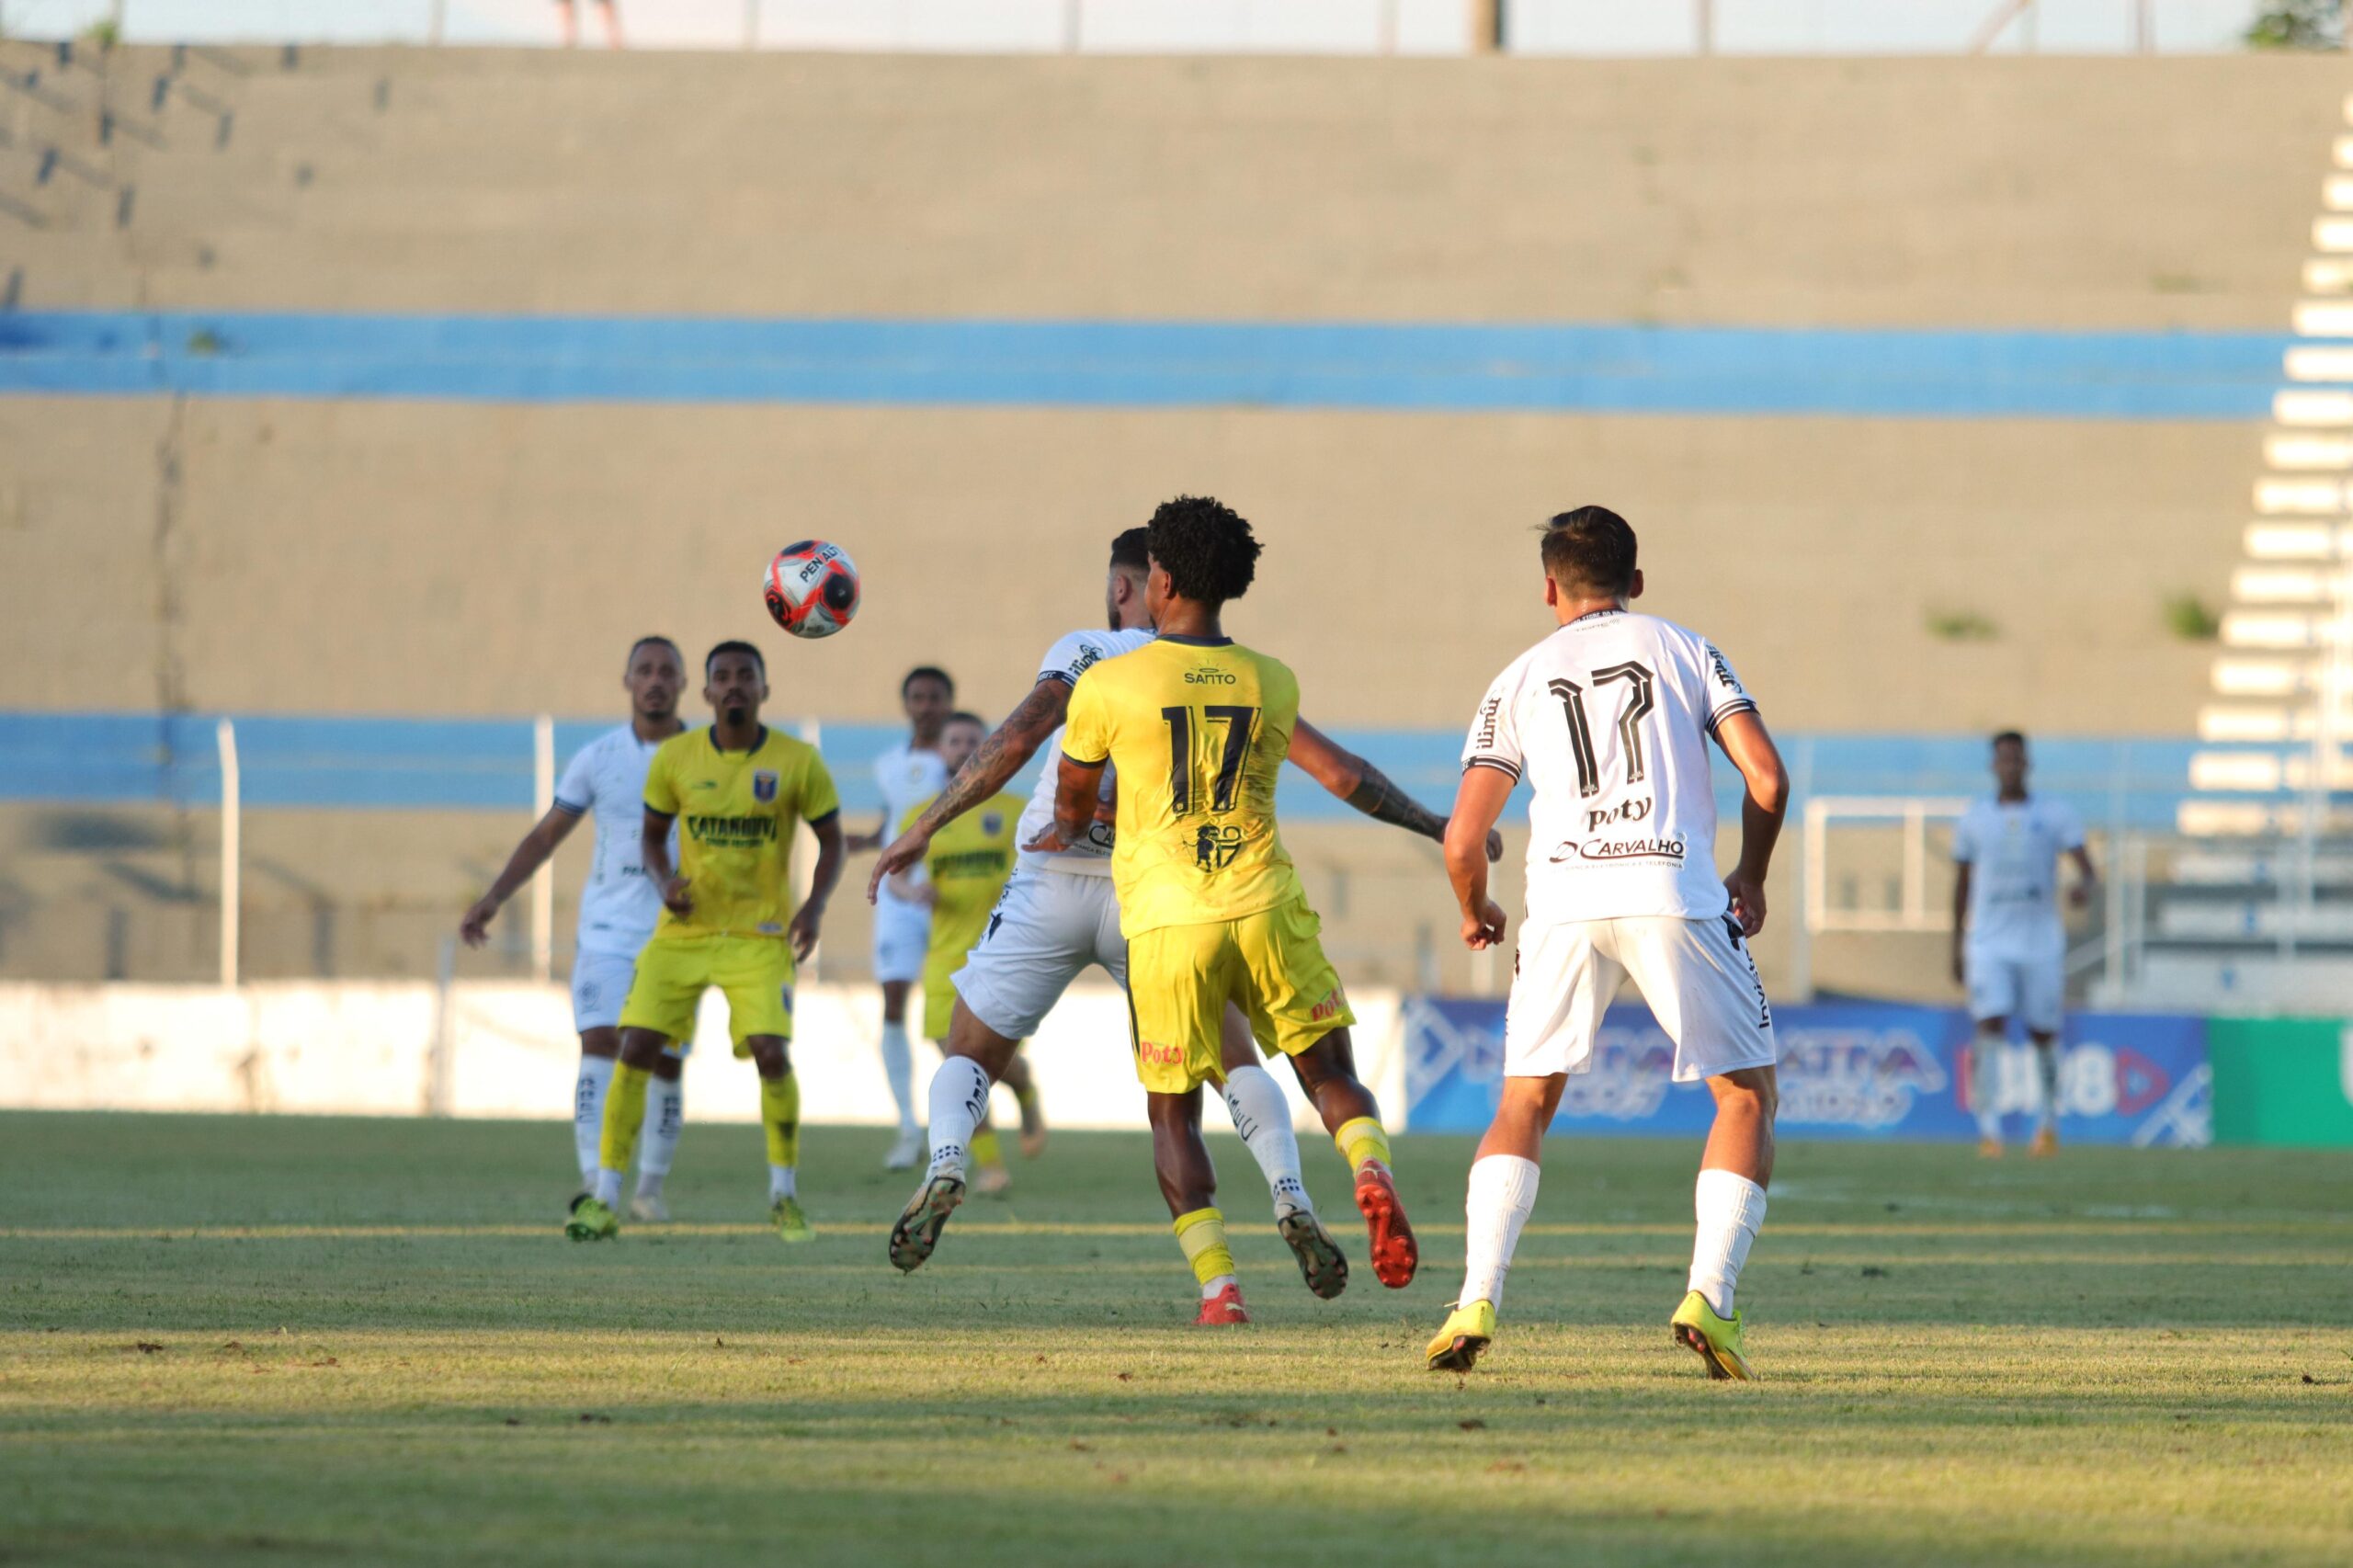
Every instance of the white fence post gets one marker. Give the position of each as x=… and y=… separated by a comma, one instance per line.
x=543, y=880
x=224, y=736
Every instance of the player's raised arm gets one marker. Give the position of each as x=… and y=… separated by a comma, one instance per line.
x=1005, y=752
x=1762, y=806
x=1479, y=803
x=1365, y=788
x=529, y=855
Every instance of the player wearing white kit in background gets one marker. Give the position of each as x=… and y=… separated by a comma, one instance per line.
x=1609, y=720
x=908, y=774
x=2009, y=942
x=618, y=908
x=1057, y=915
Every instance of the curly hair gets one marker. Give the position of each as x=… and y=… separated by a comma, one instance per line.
x=1205, y=547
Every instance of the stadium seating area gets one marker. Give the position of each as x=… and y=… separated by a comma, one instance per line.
x=1881, y=564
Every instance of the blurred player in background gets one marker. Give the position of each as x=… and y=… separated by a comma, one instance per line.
x=568, y=19
x=736, y=792
x=907, y=775
x=2009, y=941
x=1059, y=915
x=1609, y=720
x=959, y=879
x=1209, y=903
x=618, y=907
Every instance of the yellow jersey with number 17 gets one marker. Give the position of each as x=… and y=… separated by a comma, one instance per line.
x=1197, y=729
x=736, y=812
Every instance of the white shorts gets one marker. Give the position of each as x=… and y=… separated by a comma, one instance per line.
x=1697, y=975
x=600, y=983
x=2030, y=990
x=1047, y=927
x=901, y=937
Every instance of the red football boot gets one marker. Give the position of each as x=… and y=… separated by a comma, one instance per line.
x=1223, y=1307
x=1396, y=1255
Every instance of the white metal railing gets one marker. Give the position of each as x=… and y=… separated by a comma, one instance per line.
x=1911, y=814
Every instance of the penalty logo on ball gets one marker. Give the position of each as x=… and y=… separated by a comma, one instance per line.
x=812, y=588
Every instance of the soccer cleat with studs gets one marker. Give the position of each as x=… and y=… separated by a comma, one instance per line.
x=1715, y=1340
x=1396, y=1254
x=918, y=1229
x=1320, y=1262
x=591, y=1220
x=1225, y=1307
x=1468, y=1329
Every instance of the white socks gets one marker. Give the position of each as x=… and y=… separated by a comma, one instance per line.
x=1985, y=1084
x=608, y=1188
x=781, y=1182
x=1501, y=1193
x=960, y=1102
x=898, y=1066
x=588, y=1114
x=1730, y=1208
x=1262, y=1117
x=2046, y=1061
x=665, y=1113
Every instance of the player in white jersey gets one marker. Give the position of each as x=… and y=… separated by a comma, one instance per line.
x=908, y=774
x=606, y=779
x=1057, y=915
x=1609, y=721
x=2009, y=942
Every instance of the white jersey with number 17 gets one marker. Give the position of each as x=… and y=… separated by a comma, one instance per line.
x=1608, y=719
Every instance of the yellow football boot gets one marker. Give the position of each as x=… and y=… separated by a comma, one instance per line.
x=1716, y=1340
x=591, y=1220
x=1466, y=1332
x=792, y=1224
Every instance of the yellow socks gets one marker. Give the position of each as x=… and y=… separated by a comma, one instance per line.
x=780, y=1110
x=1202, y=1235
x=624, y=1114
x=1362, y=1142
x=985, y=1151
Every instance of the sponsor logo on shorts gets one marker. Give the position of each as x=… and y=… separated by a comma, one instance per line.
x=1330, y=1008
x=764, y=786
x=1163, y=1055
x=1620, y=849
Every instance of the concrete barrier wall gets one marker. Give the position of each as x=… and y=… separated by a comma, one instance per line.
x=368, y=1049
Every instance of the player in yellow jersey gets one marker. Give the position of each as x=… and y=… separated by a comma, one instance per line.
x=1197, y=729
x=736, y=792
x=964, y=873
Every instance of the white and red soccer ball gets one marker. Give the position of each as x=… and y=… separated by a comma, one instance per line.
x=812, y=588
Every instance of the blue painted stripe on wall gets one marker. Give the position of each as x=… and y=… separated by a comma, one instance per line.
x=102, y=759
x=1556, y=369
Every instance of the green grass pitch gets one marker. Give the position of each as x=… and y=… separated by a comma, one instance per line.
x=318, y=1340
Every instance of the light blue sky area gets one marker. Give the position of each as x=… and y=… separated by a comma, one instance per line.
x=1579, y=26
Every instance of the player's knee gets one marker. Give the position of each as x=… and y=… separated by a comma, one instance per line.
x=641, y=1048
x=603, y=1042
x=769, y=1055
x=1752, y=1091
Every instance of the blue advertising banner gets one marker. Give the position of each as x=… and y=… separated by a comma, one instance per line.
x=1848, y=1070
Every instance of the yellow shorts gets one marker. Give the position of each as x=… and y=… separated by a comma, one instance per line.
x=755, y=974
x=1270, y=963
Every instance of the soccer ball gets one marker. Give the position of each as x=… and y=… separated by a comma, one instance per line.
x=812, y=588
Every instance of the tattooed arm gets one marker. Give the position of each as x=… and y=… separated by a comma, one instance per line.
x=1003, y=754
x=1365, y=788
